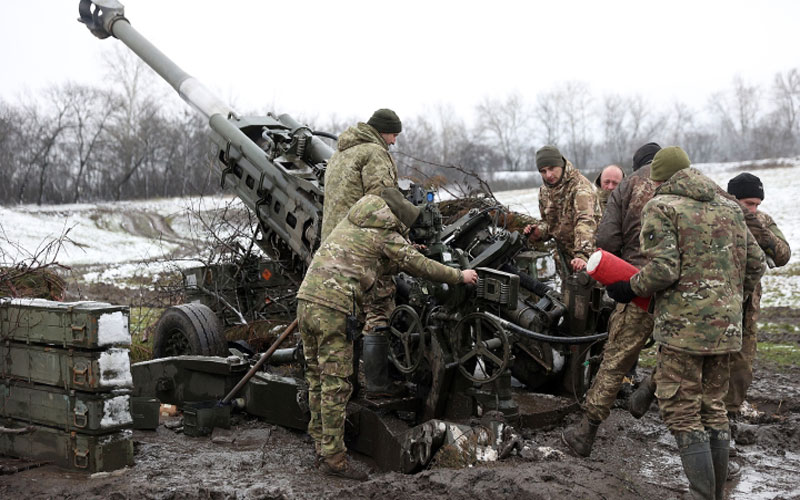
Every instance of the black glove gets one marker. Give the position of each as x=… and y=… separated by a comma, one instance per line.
x=621, y=291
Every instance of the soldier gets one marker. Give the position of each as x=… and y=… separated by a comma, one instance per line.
x=362, y=165
x=629, y=326
x=702, y=263
x=749, y=191
x=606, y=182
x=644, y=155
x=367, y=244
x=569, y=209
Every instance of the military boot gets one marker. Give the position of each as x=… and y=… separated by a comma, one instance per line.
x=376, y=368
x=340, y=466
x=719, y=442
x=698, y=464
x=580, y=438
x=641, y=399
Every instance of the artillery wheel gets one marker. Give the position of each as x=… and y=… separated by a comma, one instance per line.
x=405, y=339
x=482, y=341
x=189, y=329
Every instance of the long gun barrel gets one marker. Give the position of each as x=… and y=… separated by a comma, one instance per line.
x=274, y=164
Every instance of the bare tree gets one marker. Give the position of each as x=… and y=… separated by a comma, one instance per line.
x=507, y=125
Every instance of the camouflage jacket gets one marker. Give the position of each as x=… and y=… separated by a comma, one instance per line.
x=702, y=262
x=361, y=165
x=775, y=246
x=621, y=224
x=365, y=245
x=570, y=213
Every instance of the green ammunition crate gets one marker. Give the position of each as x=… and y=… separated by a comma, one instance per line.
x=145, y=412
x=70, y=450
x=200, y=418
x=85, y=412
x=93, y=371
x=90, y=325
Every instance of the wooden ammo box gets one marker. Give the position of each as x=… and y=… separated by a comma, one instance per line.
x=83, y=452
x=89, y=325
x=85, y=412
x=93, y=371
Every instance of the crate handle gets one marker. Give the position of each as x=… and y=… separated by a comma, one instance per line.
x=82, y=416
x=79, y=373
x=78, y=332
x=81, y=458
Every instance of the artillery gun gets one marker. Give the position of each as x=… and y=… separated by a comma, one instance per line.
x=456, y=348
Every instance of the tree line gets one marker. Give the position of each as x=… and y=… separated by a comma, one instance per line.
x=81, y=143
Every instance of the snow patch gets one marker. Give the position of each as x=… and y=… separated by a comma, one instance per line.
x=115, y=368
x=116, y=412
x=112, y=328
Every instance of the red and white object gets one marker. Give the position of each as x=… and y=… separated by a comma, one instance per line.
x=607, y=268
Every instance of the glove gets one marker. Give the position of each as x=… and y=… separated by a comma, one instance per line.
x=621, y=291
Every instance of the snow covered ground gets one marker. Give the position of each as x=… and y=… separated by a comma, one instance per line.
x=112, y=241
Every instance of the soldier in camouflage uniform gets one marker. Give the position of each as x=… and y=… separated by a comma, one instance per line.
x=749, y=191
x=605, y=182
x=569, y=210
x=367, y=244
x=362, y=165
x=702, y=264
x=629, y=326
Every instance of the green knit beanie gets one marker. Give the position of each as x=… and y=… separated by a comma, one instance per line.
x=668, y=161
x=403, y=209
x=385, y=121
x=549, y=156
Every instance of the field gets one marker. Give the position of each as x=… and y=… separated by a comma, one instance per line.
x=129, y=253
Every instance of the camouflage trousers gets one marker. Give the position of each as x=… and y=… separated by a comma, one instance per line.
x=329, y=364
x=379, y=304
x=690, y=389
x=628, y=330
x=742, y=361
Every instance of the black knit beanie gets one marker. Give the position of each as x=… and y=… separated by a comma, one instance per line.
x=385, y=121
x=644, y=155
x=746, y=186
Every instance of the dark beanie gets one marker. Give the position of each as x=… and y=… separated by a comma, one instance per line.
x=385, y=121
x=746, y=186
x=644, y=155
x=407, y=212
x=668, y=161
x=549, y=156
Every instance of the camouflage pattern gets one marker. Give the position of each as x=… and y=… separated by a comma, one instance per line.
x=570, y=213
x=39, y=283
x=364, y=246
x=690, y=389
x=702, y=263
x=621, y=224
x=361, y=165
x=329, y=365
x=602, y=198
x=775, y=246
x=628, y=329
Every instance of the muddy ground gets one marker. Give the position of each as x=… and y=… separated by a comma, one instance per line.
x=632, y=459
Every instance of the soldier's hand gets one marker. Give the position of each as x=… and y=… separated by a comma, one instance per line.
x=533, y=232
x=578, y=264
x=469, y=276
x=621, y=291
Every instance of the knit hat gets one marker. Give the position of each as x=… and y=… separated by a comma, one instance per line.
x=644, y=155
x=746, y=186
x=549, y=156
x=668, y=161
x=385, y=121
x=403, y=209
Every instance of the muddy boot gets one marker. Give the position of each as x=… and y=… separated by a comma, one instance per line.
x=340, y=466
x=734, y=469
x=580, y=438
x=376, y=368
x=719, y=441
x=698, y=464
x=641, y=399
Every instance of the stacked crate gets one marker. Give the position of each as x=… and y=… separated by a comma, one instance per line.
x=65, y=383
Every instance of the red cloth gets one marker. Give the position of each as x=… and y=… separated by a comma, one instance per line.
x=607, y=268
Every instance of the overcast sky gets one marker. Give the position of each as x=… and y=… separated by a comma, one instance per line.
x=346, y=58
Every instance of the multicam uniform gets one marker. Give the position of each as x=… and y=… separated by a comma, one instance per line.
x=366, y=245
x=629, y=326
x=361, y=165
x=774, y=244
x=570, y=213
x=702, y=262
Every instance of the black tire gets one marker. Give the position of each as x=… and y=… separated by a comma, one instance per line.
x=189, y=329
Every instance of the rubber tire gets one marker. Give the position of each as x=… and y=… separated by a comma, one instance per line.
x=199, y=326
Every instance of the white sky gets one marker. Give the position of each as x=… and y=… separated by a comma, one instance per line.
x=315, y=58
